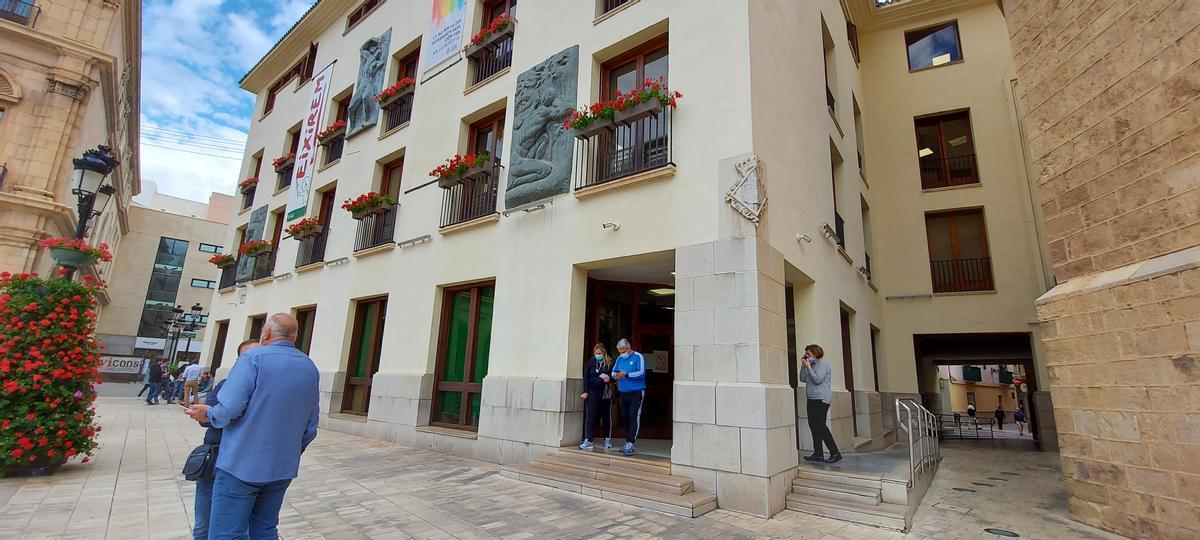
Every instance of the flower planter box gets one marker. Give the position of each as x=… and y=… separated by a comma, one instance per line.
x=223, y=266
x=72, y=258
x=490, y=42
x=262, y=253
x=286, y=163
x=248, y=189
x=371, y=210
x=447, y=182
x=339, y=132
x=637, y=112
x=309, y=233
x=479, y=171
x=594, y=128
x=394, y=101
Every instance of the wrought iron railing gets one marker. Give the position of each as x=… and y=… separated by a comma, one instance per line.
x=333, y=149
x=264, y=265
x=867, y=265
x=610, y=5
x=228, y=277
x=493, y=60
x=21, y=12
x=962, y=275
x=625, y=150
x=950, y=171
x=312, y=249
x=285, y=177
x=398, y=113
x=839, y=228
x=470, y=199
x=376, y=230
x=829, y=101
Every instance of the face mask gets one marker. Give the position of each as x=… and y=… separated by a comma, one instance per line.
x=600, y=357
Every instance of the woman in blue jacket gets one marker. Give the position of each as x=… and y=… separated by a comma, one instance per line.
x=597, y=395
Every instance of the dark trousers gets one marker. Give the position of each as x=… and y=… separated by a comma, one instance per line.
x=631, y=411
x=818, y=411
x=145, y=386
x=600, y=409
x=152, y=397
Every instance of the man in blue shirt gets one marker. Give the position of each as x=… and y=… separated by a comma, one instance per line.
x=268, y=414
x=630, y=372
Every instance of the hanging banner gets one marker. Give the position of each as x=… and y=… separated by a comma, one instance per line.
x=445, y=32
x=306, y=151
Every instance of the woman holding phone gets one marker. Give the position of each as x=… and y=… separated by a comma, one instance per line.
x=817, y=376
x=597, y=395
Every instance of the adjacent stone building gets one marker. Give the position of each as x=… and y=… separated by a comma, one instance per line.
x=1109, y=93
x=69, y=81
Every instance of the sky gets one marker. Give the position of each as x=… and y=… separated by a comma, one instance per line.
x=194, y=115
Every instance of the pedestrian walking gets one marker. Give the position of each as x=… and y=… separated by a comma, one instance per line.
x=176, y=383
x=597, y=396
x=1019, y=418
x=150, y=365
x=817, y=376
x=212, y=436
x=999, y=417
x=155, y=376
x=630, y=373
x=191, y=383
x=268, y=411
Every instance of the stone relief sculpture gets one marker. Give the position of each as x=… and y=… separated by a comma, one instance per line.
x=372, y=57
x=254, y=231
x=748, y=196
x=539, y=163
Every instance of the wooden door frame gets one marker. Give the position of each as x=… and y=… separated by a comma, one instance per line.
x=466, y=388
x=356, y=345
x=846, y=325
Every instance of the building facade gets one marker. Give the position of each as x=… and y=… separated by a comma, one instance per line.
x=1108, y=96
x=817, y=183
x=69, y=81
x=162, y=265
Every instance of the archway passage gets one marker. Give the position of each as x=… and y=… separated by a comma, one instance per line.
x=990, y=372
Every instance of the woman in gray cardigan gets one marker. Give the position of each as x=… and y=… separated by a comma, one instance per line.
x=816, y=374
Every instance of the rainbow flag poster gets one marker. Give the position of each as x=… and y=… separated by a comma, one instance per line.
x=445, y=32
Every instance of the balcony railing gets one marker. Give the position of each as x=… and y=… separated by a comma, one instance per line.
x=493, y=60
x=397, y=114
x=19, y=11
x=285, y=177
x=312, y=249
x=867, y=265
x=333, y=149
x=950, y=171
x=376, y=230
x=471, y=199
x=264, y=265
x=616, y=153
x=829, y=101
x=610, y=5
x=839, y=228
x=228, y=277
x=962, y=275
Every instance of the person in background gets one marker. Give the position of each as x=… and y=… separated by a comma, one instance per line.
x=630, y=373
x=1019, y=418
x=817, y=376
x=204, y=486
x=597, y=396
x=206, y=384
x=150, y=365
x=154, y=374
x=1000, y=417
x=176, y=383
x=191, y=383
x=268, y=412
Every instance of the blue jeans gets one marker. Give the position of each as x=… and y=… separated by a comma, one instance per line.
x=204, y=491
x=152, y=397
x=241, y=506
x=176, y=391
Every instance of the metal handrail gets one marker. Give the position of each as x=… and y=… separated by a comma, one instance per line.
x=921, y=426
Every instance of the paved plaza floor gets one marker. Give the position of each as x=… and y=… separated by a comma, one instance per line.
x=350, y=487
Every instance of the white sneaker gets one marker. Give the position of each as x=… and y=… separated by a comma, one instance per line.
x=628, y=449
x=585, y=445
x=607, y=444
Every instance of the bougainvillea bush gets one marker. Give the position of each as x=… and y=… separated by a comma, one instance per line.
x=49, y=358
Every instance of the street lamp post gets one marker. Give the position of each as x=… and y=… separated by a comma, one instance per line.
x=90, y=191
x=180, y=325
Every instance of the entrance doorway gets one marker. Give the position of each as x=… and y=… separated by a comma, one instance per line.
x=637, y=302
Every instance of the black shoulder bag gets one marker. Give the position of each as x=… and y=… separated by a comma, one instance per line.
x=201, y=464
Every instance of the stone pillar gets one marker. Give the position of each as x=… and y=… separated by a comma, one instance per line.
x=734, y=411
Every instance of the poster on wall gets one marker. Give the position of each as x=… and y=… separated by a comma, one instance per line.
x=658, y=361
x=445, y=32
x=306, y=151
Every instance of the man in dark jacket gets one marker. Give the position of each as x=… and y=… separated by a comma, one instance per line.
x=155, y=380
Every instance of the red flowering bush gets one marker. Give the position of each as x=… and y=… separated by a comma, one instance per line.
x=303, y=226
x=252, y=181
x=49, y=357
x=254, y=247
x=333, y=128
x=222, y=260
x=98, y=252
x=394, y=89
x=459, y=164
x=367, y=200
x=497, y=24
x=283, y=159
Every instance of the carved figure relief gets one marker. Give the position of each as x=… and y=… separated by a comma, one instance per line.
x=372, y=63
x=748, y=196
x=540, y=156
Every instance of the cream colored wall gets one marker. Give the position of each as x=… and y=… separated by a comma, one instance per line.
x=792, y=134
x=893, y=97
x=531, y=256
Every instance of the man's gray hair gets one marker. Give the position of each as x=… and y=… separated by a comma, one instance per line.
x=282, y=325
x=624, y=343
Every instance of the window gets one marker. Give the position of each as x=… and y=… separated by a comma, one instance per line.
x=835, y=168
x=830, y=66
x=361, y=12
x=379, y=229
x=335, y=145
x=958, y=251
x=204, y=283
x=312, y=249
x=283, y=177
x=609, y=5
x=875, y=355
x=163, y=288
x=256, y=326
x=852, y=37
x=463, y=350
x=399, y=111
x=302, y=69
x=209, y=248
x=248, y=198
x=219, y=346
x=867, y=241
x=305, y=319
x=497, y=55
x=366, y=346
x=476, y=197
x=933, y=46
x=946, y=150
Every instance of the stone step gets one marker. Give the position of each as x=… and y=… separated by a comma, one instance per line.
x=842, y=492
x=690, y=504
x=884, y=516
x=816, y=474
x=603, y=458
x=612, y=473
